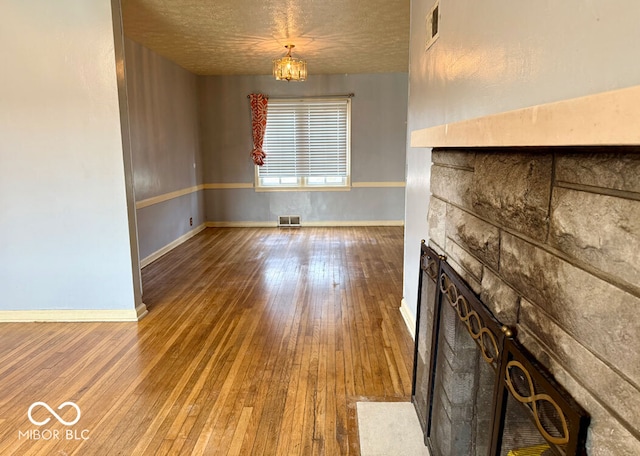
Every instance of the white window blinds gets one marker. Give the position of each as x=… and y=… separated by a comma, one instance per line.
x=307, y=141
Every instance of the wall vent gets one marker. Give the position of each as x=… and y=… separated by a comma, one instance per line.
x=433, y=24
x=288, y=220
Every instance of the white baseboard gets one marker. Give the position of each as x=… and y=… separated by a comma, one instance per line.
x=409, y=319
x=141, y=311
x=355, y=223
x=304, y=223
x=172, y=245
x=241, y=224
x=68, y=315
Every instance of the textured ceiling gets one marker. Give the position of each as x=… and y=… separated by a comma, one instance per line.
x=215, y=37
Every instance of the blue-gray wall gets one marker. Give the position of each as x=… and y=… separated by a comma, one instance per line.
x=378, y=141
x=496, y=56
x=64, y=218
x=163, y=117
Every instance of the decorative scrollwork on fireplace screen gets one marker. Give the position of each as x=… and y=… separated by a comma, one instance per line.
x=556, y=416
x=531, y=398
x=476, y=327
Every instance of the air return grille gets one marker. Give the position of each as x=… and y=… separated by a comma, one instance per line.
x=288, y=220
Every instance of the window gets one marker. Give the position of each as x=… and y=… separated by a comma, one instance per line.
x=308, y=144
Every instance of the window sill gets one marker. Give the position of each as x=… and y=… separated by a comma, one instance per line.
x=303, y=189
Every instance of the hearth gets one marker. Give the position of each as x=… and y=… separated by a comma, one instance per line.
x=477, y=390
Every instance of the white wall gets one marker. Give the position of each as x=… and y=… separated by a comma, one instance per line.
x=494, y=56
x=63, y=206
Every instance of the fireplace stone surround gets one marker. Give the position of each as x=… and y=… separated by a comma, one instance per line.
x=549, y=238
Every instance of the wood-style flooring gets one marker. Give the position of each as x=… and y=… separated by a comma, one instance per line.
x=257, y=342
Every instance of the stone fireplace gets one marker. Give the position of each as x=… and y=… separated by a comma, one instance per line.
x=549, y=239
x=538, y=210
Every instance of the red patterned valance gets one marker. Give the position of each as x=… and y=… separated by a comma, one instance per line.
x=258, y=125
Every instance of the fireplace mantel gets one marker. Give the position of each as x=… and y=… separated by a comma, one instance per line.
x=608, y=118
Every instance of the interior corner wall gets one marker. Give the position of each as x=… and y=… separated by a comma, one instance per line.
x=377, y=151
x=496, y=56
x=63, y=206
x=167, y=165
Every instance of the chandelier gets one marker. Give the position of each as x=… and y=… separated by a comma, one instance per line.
x=289, y=68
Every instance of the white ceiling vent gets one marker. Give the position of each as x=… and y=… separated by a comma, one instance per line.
x=433, y=24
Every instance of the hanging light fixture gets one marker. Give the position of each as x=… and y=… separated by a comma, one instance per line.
x=289, y=68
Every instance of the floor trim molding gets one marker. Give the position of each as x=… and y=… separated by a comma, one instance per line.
x=141, y=311
x=306, y=224
x=409, y=320
x=172, y=245
x=355, y=223
x=241, y=224
x=73, y=315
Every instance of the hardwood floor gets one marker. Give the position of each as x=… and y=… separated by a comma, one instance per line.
x=257, y=342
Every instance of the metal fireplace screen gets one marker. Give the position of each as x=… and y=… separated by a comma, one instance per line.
x=475, y=389
x=536, y=415
x=427, y=292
